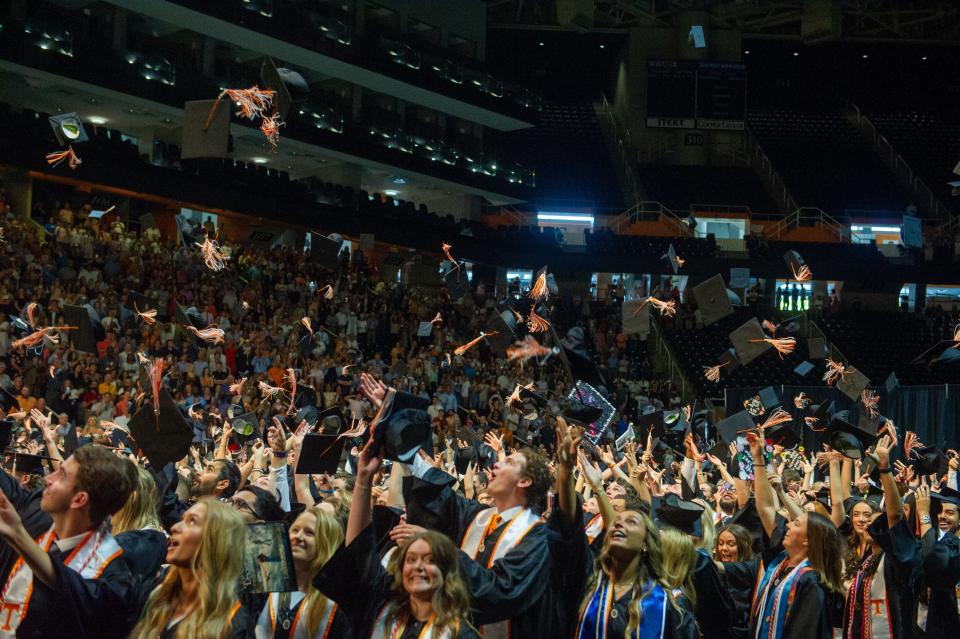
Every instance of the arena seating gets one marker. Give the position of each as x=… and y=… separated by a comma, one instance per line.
x=608, y=242
x=880, y=343
x=825, y=163
x=680, y=187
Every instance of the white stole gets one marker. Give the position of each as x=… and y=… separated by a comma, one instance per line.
x=297, y=629
x=89, y=558
x=380, y=630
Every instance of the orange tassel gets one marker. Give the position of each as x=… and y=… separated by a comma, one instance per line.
x=31, y=310
x=148, y=317
x=460, y=350
x=291, y=379
x=437, y=320
x=156, y=380
x=870, y=402
x=514, y=400
x=535, y=323
x=251, y=102
x=769, y=326
x=801, y=401
x=307, y=324
x=812, y=423
x=326, y=292
x=668, y=309
x=540, y=291
x=446, y=252
x=73, y=161
x=526, y=349
x=237, y=388
x=212, y=254
x=210, y=334
x=835, y=372
x=802, y=275
x=517, y=316
x=784, y=345
x=36, y=338
x=268, y=390
x=712, y=373
x=356, y=431
x=270, y=127
x=778, y=416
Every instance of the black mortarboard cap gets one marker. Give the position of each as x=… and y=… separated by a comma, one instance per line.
x=728, y=360
x=504, y=324
x=870, y=424
x=789, y=327
x=853, y=383
x=847, y=438
x=163, y=438
x=584, y=369
x=650, y=423
x=206, y=129
x=769, y=398
x=8, y=401
x=577, y=411
x=68, y=128
x=271, y=79
x=946, y=494
x=941, y=352
x=402, y=427
x=816, y=348
x=673, y=512
x=143, y=302
x=455, y=279
x=747, y=351
x=246, y=427
x=30, y=464
x=822, y=412
x=783, y=434
x=88, y=332
x=384, y=519
x=735, y=425
x=320, y=453
x=325, y=251
x=803, y=368
x=671, y=257
x=306, y=396
x=794, y=261
x=189, y=317
x=928, y=460
x=712, y=299
x=892, y=383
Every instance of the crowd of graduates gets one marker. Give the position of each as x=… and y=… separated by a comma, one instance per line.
x=423, y=489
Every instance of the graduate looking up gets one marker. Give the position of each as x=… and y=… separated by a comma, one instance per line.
x=62, y=523
x=941, y=558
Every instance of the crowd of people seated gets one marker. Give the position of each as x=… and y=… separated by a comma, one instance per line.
x=506, y=516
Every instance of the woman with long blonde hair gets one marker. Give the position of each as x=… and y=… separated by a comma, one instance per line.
x=306, y=614
x=679, y=558
x=197, y=599
x=627, y=594
x=422, y=593
x=137, y=527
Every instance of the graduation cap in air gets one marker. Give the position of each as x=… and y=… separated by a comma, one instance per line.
x=789, y=327
x=325, y=251
x=673, y=512
x=190, y=232
x=747, y=341
x=89, y=330
x=206, y=129
x=713, y=299
x=581, y=364
x=550, y=280
x=26, y=463
x=163, y=437
x=455, y=279
x=735, y=425
x=289, y=85
x=504, y=325
x=650, y=423
x=848, y=438
x=816, y=348
x=852, y=383
x=769, y=398
x=783, y=435
x=892, y=383
x=868, y=423
x=795, y=262
x=803, y=369
x=928, y=460
x=671, y=257
x=402, y=427
x=584, y=403
x=320, y=453
x=142, y=302
x=942, y=352
x=822, y=413
x=246, y=427
x=580, y=413
x=68, y=129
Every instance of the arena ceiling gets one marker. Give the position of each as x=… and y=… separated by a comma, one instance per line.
x=932, y=21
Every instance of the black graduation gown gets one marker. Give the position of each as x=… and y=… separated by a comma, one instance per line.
x=715, y=608
x=941, y=573
x=902, y=566
x=517, y=586
x=143, y=550
x=35, y=521
x=740, y=578
x=814, y=611
x=354, y=578
x=572, y=578
x=339, y=627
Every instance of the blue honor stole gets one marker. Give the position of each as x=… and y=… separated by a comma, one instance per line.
x=772, y=604
x=595, y=617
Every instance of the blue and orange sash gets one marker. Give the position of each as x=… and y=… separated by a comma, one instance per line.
x=771, y=604
x=595, y=617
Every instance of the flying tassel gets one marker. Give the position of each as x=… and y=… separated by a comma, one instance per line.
x=835, y=372
x=460, y=350
x=251, y=102
x=812, y=423
x=801, y=401
x=210, y=334
x=212, y=254
x=270, y=127
x=446, y=252
x=55, y=158
x=668, y=309
x=784, y=345
x=535, y=323
x=356, y=431
x=769, y=326
x=156, y=380
x=437, y=320
x=870, y=402
x=149, y=317
x=307, y=324
x=326, y=292
x=268, y=390
x=143, y=359
x=778, y=416
x=803, y=274
x=31, y=311
x=712, y=373
x=956, y=331
x=517, y=316
x=687, y=412
x=36, y=338
x=195, y=414
x=514, y=401
x=237, y=388
x=526, y=349
x=540, y=291
x=291, y=378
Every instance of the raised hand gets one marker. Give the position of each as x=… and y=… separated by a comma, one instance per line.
x=568, y=439
x=373, y=389
x=494, y=442
x=590, y=472
x=368, y=463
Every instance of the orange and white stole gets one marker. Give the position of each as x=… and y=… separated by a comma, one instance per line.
x=593, y=528
x=89, y=558
x=396, y=629
x=475, y=539
x=296, y=631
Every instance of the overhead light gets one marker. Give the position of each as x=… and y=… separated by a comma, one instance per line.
x=885, y=229
x=541, y=44
x=97, y=119
x=924, y=58
x=603, y=46
x=865, y=56
x=583, y=218
x=391, y=192
x=747, y=52
x=259, y=160
x=796, y=53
